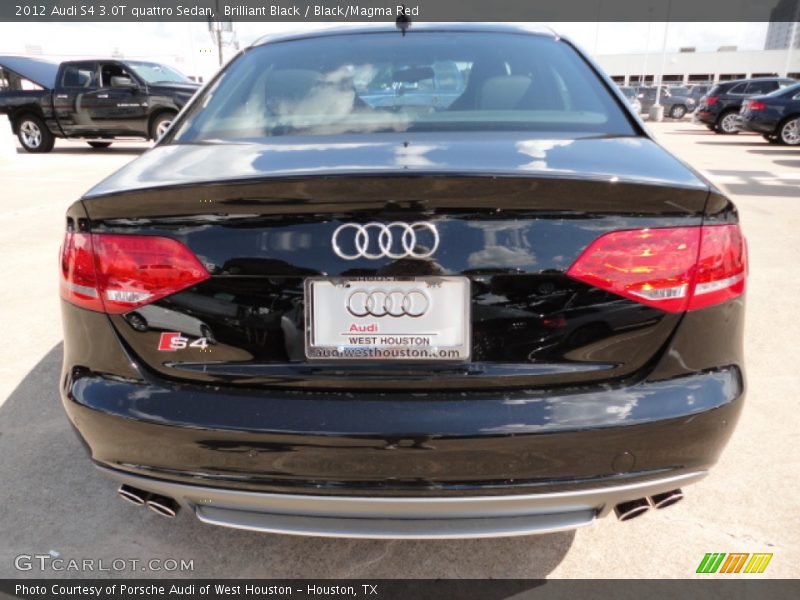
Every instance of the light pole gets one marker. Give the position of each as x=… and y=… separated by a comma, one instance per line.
x=646, y=53
x=663, y=54
x=792, y=34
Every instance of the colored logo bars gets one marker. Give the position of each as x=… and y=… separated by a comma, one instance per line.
x=719, y=562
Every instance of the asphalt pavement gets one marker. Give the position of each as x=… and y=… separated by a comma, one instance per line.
x=54, y=503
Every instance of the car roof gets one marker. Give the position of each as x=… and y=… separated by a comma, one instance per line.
x=734, y=81
x=511, y=28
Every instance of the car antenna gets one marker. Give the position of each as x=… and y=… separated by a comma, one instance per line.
x=403, y=21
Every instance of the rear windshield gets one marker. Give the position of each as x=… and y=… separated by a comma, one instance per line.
x=10, y=81
x=424, y=81
x=789, y=90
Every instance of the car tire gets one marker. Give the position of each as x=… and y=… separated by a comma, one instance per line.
x=726, y=124
x=789, y=131
x=99, y=145
x=160, y=125
x=34, y=135
x=678, y=111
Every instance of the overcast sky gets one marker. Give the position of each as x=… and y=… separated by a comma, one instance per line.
x=189, y=47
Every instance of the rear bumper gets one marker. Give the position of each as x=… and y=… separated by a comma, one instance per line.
x=704, y=117
x=405, y=517
x=405, y=444
x=762, y=126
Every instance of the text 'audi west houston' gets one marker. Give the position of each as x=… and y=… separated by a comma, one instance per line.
x=427, y=283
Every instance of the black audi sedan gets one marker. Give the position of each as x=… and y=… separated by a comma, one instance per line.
x=775, y=116
x=719, y=109
x=500, y=310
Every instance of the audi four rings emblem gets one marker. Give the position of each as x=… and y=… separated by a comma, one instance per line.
x=378, y=240
x=378, y=303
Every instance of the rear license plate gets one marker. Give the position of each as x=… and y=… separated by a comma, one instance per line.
x=419, y=318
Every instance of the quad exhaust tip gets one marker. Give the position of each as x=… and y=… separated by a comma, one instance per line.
x=667, y=498
x=161, y=505
x=132, y=495
x=626, y=511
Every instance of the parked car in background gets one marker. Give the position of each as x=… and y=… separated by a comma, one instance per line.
x=631, y=94
x=776, y=116
x=675, y=107
x=719, y=110
x=679, y=90
x=698, y=90
x=94, y=100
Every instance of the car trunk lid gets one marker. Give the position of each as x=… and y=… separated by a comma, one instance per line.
x=264, y=224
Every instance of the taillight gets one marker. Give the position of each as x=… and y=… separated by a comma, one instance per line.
x=672, y=268
x=711, y=100
x=721, y=266
x=756, y=105
x=117, y=273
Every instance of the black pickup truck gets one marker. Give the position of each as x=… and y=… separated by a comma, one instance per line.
x=95, y=100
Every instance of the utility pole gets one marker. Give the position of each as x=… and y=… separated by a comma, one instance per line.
x=217, y=27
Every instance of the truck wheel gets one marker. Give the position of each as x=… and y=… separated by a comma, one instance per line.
x=677, y=111
x=99, y=145
x=160, y=125
x=34, y=135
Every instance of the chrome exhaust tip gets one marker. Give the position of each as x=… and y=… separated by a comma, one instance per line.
x=132, y=495
x=626, y=511
x=166, y=507
x=667, y=498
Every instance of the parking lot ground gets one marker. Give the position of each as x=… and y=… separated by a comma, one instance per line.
x=54, y=501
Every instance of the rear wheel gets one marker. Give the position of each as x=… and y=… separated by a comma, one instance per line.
x=34, y=135
x=99, y=145
x=160, y=125
x=727, y=123
x=678, y=111
x=790, y=132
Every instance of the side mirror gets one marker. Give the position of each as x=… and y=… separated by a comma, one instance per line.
x=123, y=82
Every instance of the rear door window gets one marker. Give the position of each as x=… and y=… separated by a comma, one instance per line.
x=738, y=89
x=762, y=87
x=80, y=75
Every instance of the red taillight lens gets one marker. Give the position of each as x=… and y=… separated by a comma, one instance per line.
x=117, y=273
x=756, y=105
x=711, y=100
x=721, y=266
x=674, y=268
x=78, y=277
